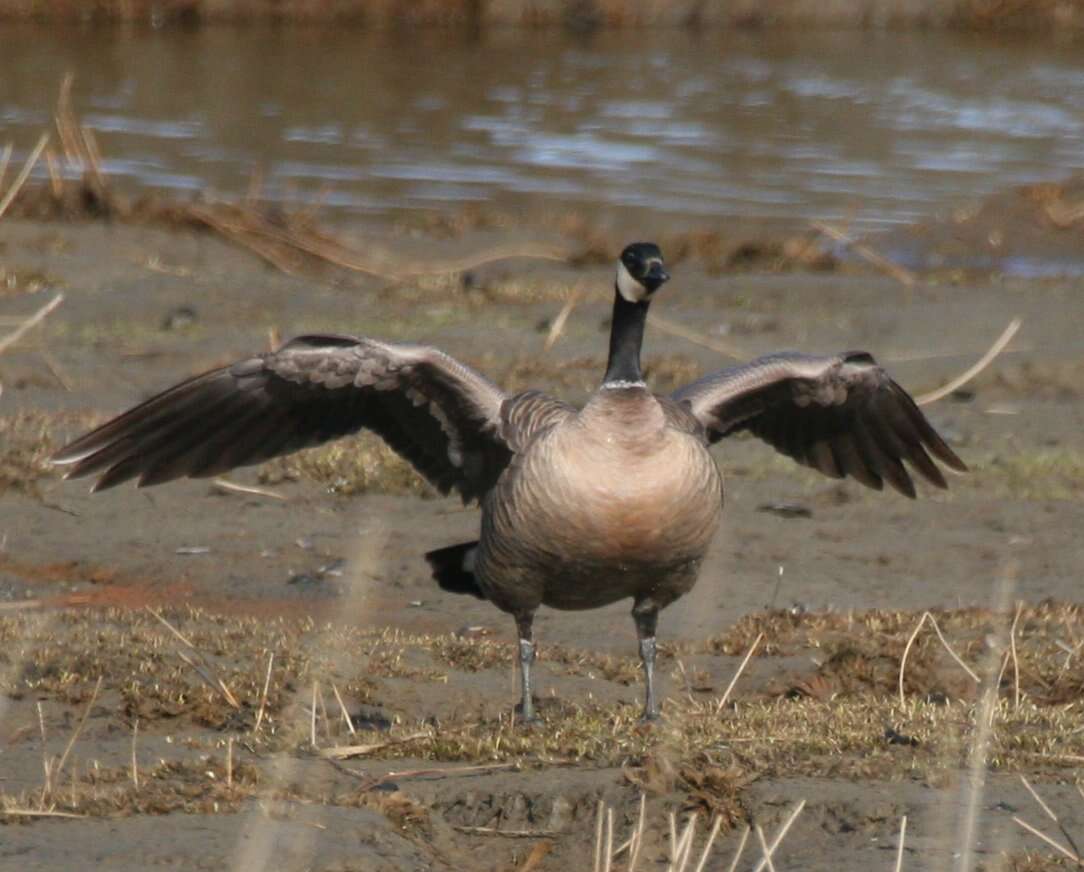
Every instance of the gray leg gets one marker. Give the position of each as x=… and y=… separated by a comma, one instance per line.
x=525, y=709
x=646, y=619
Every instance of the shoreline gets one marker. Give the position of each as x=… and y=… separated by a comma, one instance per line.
x=583, y=16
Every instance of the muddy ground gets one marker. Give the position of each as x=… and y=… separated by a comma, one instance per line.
x=319, y=573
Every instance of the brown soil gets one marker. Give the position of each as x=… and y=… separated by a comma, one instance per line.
x=330, y=579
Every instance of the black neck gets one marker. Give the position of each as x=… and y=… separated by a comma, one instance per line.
x=626, y=337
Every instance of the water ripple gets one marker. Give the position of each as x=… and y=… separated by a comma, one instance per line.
x=167, y=129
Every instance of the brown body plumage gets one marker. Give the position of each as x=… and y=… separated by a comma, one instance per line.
x=620, y=499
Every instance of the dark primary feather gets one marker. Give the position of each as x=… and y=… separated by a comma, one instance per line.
x=841, y=414
x=440, y=415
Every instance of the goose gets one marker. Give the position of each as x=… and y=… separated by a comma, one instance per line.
x=580, y=507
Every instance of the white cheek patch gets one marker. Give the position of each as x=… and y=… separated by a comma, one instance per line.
x=627, y=286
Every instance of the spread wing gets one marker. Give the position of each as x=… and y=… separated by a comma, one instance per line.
x=840, y=414
x=440, y=415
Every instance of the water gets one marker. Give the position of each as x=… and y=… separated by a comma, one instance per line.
x=880, y=129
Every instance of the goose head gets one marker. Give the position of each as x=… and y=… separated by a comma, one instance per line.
x=640, y=272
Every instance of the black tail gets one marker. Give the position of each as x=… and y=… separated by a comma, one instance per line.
x=453, y=568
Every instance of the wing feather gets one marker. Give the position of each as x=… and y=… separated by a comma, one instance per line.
x=527, y=414
x=840, y=414
x=440, y=415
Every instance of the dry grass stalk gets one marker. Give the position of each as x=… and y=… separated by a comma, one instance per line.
x=184, y=640
x=66, y=125
x=1038, y=799
x=345, y=752
x=323, y=712
x=1061, y=849
x=636, y=840
x=24, y=174
x=904, y=276
x=55, y=369
x=29, y=324
x=234, y=487
x=282, y=246
x=558, y=325
x=22, y=605
x=764, y=848
x=899, y=846
x=634, y=854
x=984, y=732
x=78, y=729
x=135, y=762
x=80, y=147
x=440, y=773
x=665, y=325
x=203, y=669
x=1063, y=215
x=608, y=851
x=473, y=261
x=537, y=855
x=1070, y=653
x=229, y=762
x=919, y=356
x=56, y=180
x=963, y=378
x=312, y=712
x=598, y=836
x=926, y=616
x=47, y=783
x=740, y=849
x=5, y=159
x=737, y=674
x=320, y=246
x=712, y=835
x=508, y=834
x=1049, y=812
x=29, y=812
x=680, y=846
x=685, y=680
x=94, y=157
x=771, y=848
x=684, y=845
x=263, y=696
x=342, y=708
x=215, y=684
x=1015, y=659
x=246, y=237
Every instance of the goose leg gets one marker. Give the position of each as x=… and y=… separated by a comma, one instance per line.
x=525, y=709
x=646, y=618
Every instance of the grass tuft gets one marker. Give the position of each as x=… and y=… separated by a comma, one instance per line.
x=348, y=467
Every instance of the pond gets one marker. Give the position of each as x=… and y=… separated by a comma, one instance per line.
x=874, y=128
